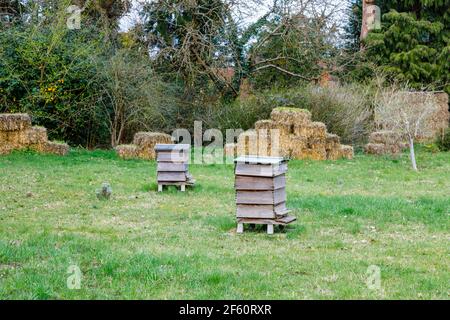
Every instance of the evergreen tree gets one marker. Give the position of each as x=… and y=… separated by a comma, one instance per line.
x=414, y=43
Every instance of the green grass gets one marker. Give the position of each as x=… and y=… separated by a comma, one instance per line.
x=141, y=244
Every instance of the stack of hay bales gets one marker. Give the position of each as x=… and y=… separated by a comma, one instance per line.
x=143, y=146
x=385, y=142
x=296, y=136
x=16, y=133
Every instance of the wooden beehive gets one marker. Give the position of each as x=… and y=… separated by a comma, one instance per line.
x=261, y=191
x=173, y=165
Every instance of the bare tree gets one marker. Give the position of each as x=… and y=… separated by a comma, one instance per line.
x=394, y=111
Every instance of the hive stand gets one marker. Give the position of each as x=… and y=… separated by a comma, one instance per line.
x=173, y=166
x=261, y=192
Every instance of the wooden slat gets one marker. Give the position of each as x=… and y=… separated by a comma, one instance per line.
x=279, y=196
x=172, y=167
x=254, y=197
x=260, y=183
x=261, y=197
x=171, y=147
x=279, y=221
x=259, y=160
x=280, y=209
x=260, y=170
x=171, y=176
x=172, y=156
x=255, y=211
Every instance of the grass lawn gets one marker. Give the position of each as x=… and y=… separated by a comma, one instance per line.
x=145, y=245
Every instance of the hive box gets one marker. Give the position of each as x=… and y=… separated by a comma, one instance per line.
x=173, y=165
x=261, y=191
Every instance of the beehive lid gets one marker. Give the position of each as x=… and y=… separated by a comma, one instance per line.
x=172, y=147
x=260, y=160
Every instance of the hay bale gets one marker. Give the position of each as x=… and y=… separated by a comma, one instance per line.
x=14, y=121
x=384, y=137
x=315, y=130
x=332, y=141
x=247, y=143
x=265, y=124
x=14, y=139
x=37, y=135
x=253, y=142
x=298, y=147
x=375, y=148
x=5, y=149
x=146, y=142
x=291, y=116
x=270, y=125
x=334, y=153
x=313, y=154
x=230, y=150
x=150, y=139
x=316, y=143
x=347, y=152
x=127, y=151
x=57, y=148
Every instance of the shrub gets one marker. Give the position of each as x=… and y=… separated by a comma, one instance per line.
x=443, y=142
x=345, y=109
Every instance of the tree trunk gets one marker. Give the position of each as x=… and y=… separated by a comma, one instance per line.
x=412, y=154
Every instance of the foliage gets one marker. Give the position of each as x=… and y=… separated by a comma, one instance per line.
x=48, y=71
x=86, y=86
x=189, y=38
x=393, y=112
x=131, y=95
x=443, y=142
x=412, y=46
x=345, y=109
x=412, y=51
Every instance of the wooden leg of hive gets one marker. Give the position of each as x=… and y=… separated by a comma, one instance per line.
x=270, y=229
x=160, y=187
x=240, y=228
x=183, y=188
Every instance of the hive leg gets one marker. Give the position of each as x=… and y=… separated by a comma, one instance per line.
x=183, y=188
x=240, y=228
x=270, y=229
x=160, y=187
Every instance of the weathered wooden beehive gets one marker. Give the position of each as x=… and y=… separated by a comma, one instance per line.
x=261, y=192
x=173, y=165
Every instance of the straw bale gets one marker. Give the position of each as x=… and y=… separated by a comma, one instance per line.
x=291, y=116
x=311, y=130
x=150, y=139
x=332, y=141
x=37, y=135
x=57, y=148
x=127, y=151
x=316, y=143
x=334, y=153
x=384, y=137
x=14, y=121
x=314, y=154
x=347, y=152
x=15, y=139
x=230, y=150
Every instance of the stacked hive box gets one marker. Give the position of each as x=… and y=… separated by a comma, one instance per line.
x=16, y=133
x=291, y=133
x=173, y=165
x=261, y=192
x=143, y=146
